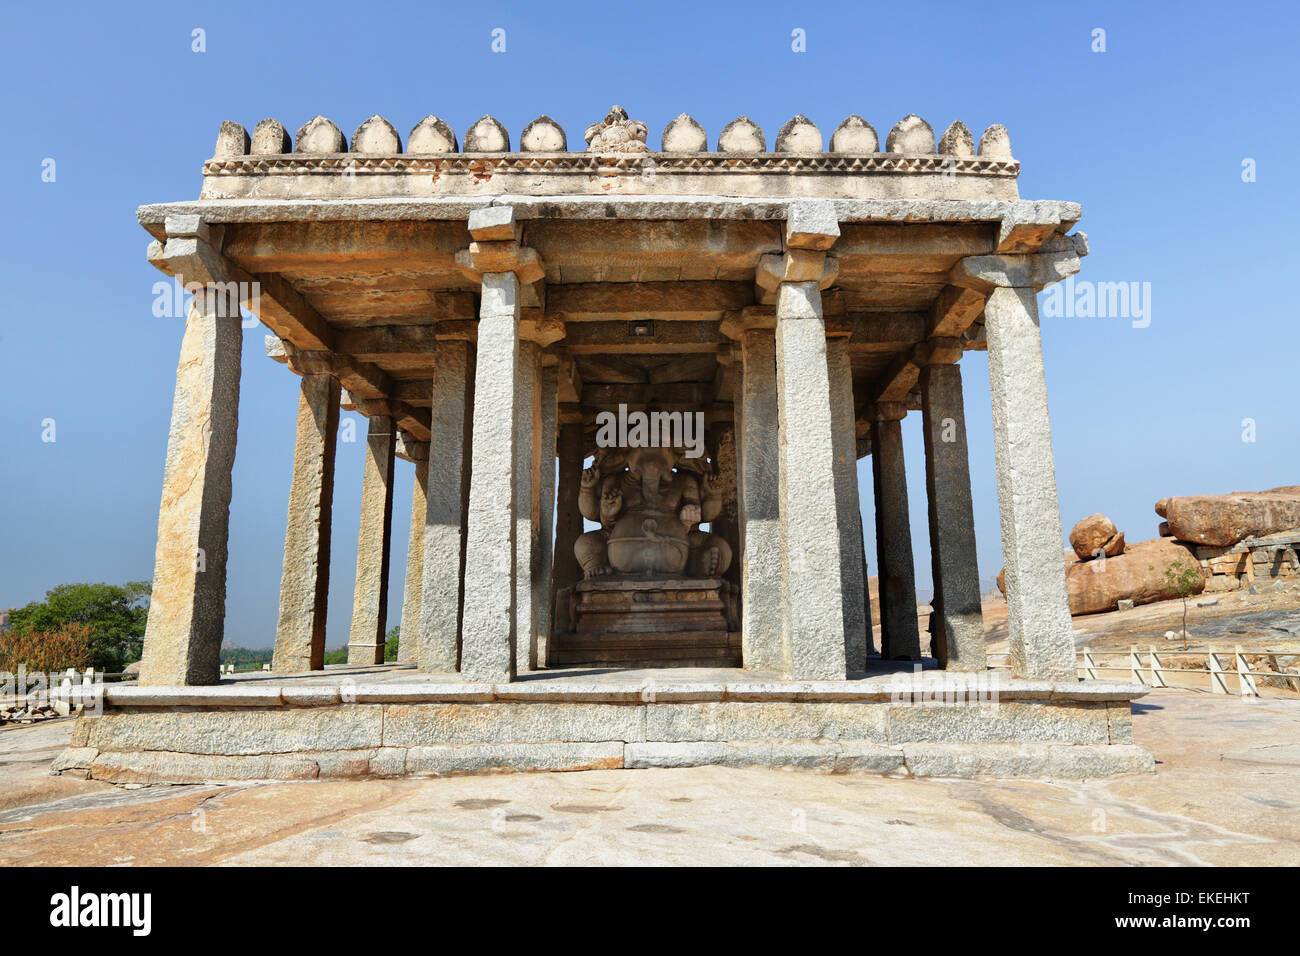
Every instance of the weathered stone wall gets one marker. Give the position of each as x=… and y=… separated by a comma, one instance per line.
x=1044, y=735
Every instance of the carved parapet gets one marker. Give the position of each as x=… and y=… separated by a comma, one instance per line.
x=616, y=134
x=376, y=135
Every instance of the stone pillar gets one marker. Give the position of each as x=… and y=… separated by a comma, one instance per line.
x=187, y=611
x=566, y=571
x=488, y=634
x=370, y=598
x=958, y=632
x=447, y=500
x=304, y=582
x=760, y=505
x=844, y=441
x=727, y=523
x=812, y=600
x=900, y=637
x=528, y=502
x=408, y=645
x=546, y=520
x=1040, y=633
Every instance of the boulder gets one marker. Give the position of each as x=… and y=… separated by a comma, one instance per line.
x=1096, y=534
x=1137, y=575
x=1223, y=520
x=1070, y=558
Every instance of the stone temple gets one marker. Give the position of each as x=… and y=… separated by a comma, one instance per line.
x=755, y=320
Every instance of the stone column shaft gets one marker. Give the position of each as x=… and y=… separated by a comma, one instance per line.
x=408, y=645
x=546, y=520
x=900, y=637
x=566, y=571
x=488, y=635
x=187, y=611
x=844, y=440
x=447, y=504
x=1040, y=633
x=727, y=523
x=304, y=583
x=528, y=502
x=760, y=507
x=370, y=597
x=958, y=622
x=812, y=599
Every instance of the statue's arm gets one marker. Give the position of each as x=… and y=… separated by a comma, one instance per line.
x=690, y=510
x=611, y=499
x=588, y=502
x=710, y=498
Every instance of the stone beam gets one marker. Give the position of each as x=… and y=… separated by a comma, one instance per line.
x=588, y=337
x=878, y=332
x=955, y=310
x=667, y=301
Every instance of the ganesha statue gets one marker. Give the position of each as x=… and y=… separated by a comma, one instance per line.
x=650, y=502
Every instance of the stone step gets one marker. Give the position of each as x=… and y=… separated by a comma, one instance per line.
x=671, y=648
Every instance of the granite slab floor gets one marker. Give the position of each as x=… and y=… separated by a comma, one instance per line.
x=1227, y=792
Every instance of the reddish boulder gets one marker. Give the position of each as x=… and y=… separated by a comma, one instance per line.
x=1223, y=520
x=1094, y=535
x=1137, y=575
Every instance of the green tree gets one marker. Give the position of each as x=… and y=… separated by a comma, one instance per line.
x=1183, y=580
x=390, y=644
x=115, y=615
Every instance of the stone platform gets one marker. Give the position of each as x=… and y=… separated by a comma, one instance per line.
x=390, y=721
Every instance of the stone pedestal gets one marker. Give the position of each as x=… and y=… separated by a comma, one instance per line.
x=650, y=606
x=658, y=621
x=304, y=582
x=187, y=612
x=370, y=599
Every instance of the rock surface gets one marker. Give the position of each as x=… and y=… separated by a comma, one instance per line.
x=1137, y=575
x=1224, y=520
x=1096, y=533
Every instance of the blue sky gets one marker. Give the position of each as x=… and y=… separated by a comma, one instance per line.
x=1149, y=136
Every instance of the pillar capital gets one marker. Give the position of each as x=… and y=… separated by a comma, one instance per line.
x=796, y=265
x=192, y=253
x=886, y=411
x=939, y=350
x=408, y=449
x=1057, y=258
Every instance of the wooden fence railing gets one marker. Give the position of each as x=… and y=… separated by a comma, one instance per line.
x=1152, y=671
